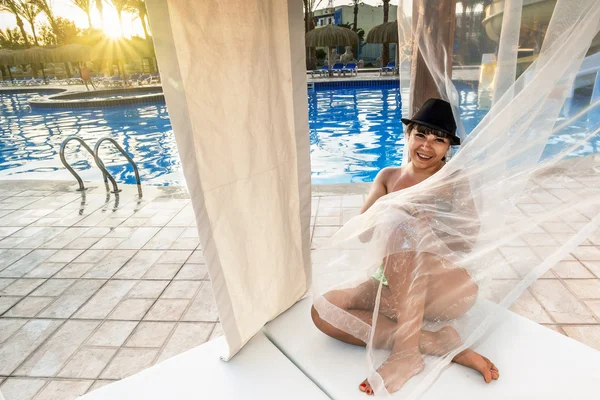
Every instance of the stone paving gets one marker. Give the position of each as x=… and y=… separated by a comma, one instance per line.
x=96, y=288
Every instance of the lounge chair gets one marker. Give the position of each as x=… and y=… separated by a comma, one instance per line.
x=390, y=67
x=155, y=78
x=337, y=67
x=323, y=71
x=351, y=68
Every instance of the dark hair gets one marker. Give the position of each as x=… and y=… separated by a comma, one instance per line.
x=426, y=131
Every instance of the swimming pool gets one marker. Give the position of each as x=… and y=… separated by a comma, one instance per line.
x=354, y=132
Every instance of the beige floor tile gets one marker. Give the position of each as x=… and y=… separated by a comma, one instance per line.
x=167, y=310
x=325, y=231
x=129, y=361
x=131, y=309
x=6, y=302
x=74, y=270
x=139, y=238
x=103, y=302
x=527, y=306
x=29, y=307
x=185, y=243
x=88, y=363
x=585, y=288
x=8, y=326
x=64, y=256
x=72, y=299
x=96, y=232
x=593, y=266
x=4, y=282
x=21, y=388
x=571, y=270
x=92, y=256
x=53, y=287
x=203, y=307
x=181, y=290
x=108, y=243
x=594, y=305
x=150, y=334
x=14, y=350
x=52, y=355
x=589, y=335
x=186, y=336
x=148, y=289
x=560, y=303
x=45, y=270
x=328, y=221
x=112, y=263
x=99, y=384
x=174, y=257
x=197, y=257
x=162, y=271
x=82, y=243
x=192, y=272
x=21, y=287
x=64, y=390
x=217, y=331
x=587, y=253
x=25, y=264
x=139, y=264
x=163, y=239
x=112, y=333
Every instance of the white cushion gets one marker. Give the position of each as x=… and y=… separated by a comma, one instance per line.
x=534, y=362
x=258, y=371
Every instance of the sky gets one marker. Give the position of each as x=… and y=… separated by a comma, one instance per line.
x=66, y=9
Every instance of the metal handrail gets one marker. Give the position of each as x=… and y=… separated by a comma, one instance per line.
x=103, y=168
x=63, y=159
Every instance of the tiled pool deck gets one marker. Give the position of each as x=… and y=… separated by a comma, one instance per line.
x=93, y=291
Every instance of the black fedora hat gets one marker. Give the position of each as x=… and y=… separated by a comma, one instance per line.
x=436, y=114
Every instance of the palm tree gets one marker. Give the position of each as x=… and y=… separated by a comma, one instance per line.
x=138, y=8
x=13, y=7
x=120, y=6
x=30, y=11
x=385, y=52
x=100, y=8
x=86, y=6
x=355, y=23
x=46, y=7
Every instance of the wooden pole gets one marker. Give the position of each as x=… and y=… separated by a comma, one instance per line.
x=438, y=21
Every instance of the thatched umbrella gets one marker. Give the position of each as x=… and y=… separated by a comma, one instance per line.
x=330, y=35
x=34, y=55
x=7, y=58
x=384, y=34
x=72, y=52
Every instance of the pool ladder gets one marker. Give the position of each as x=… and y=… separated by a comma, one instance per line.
x=95, y=153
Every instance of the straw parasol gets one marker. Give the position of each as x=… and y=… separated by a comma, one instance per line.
x=329, y=36
x=72, y=52
x=33, y=55
x=384, y=34
x=7, y=58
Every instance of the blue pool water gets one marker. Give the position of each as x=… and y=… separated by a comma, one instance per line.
x=30, y=140
x=354, y=132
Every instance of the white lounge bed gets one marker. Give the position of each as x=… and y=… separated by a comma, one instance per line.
x=293, y=360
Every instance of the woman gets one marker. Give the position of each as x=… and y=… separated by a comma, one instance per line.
x=419, y=277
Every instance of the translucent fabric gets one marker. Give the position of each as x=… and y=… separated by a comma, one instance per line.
x=236, y=95
x=518, y=196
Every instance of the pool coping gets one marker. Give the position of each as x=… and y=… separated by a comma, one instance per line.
x=65, y=101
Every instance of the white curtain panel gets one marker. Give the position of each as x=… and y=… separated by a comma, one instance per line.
x=233, y=73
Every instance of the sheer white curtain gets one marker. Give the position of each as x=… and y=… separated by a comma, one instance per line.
x=233, y=74
x=521, y=193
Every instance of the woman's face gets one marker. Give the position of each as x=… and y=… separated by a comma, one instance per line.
x=426, y=150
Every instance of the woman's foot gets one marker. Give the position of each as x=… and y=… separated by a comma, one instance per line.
x=397, y=370
x=447, y=339
x=479, y=363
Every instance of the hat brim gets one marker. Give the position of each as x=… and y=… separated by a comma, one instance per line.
x=454, y=140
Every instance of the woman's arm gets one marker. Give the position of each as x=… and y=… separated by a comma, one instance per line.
x=378, y=189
